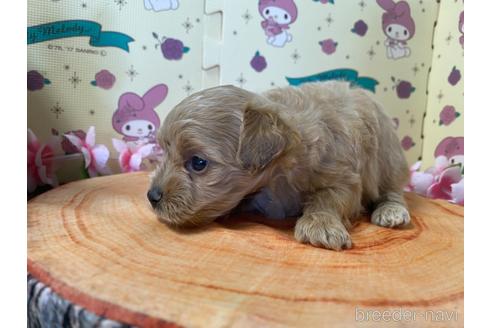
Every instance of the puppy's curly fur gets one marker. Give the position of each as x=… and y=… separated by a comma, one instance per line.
x=324, y=151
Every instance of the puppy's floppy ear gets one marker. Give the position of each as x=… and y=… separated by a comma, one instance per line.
x=263, y=137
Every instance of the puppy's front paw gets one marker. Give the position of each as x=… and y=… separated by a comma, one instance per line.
x=325, y=232
x=390, y=215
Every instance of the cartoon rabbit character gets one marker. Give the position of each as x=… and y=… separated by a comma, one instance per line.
x=136, y=118
x=278, y=15
x=461, y=28
x=161, y=5
x=453, y=148
x=398, y=25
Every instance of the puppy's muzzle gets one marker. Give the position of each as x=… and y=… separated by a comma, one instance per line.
x=154, y=195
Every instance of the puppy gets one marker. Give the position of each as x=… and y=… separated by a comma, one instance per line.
x=322, y=151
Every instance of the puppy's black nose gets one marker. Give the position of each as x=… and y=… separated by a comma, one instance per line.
x=154, y=195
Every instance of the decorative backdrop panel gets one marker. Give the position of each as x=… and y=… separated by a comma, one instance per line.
x=120, y=66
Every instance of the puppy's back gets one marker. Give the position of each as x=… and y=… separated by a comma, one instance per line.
x=353, y=127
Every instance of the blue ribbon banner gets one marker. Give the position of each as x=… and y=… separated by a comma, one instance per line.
x=345, y=74
x=76, y=28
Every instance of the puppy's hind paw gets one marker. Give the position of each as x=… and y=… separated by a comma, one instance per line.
x=390, y=215
x=331, y=235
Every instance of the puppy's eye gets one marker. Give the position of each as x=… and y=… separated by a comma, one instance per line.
x=197, y=164
x=149, y=127
x=405, y=32
x=267, y=12
x=127, y=128
x=286, y=16
x=389, y=29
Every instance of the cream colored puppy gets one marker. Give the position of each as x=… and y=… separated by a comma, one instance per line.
x=322, y=151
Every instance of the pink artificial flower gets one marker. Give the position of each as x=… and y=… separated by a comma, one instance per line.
x=95, y=156
x=40, y=170
x=440, y=181
x=458, y=192
x=441, y=163
x=67, y=146
x=413, y=169
x=442, y=188
x=421, y=182
x=132, y=155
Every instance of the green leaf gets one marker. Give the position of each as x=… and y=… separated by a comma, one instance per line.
x=94, y=83
x=185, y=49
x=85, y=173
x=46, y=81
x=457, y=114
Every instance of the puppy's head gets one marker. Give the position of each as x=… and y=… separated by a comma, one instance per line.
x=220, y=145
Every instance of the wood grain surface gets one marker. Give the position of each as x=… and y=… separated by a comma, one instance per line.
x=98, y=244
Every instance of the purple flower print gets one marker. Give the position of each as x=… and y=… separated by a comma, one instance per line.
x=36, y=81
x=448, y=115
x=104, y=79
x=455, y=76
x=172, y=49
x=328, y=46
x=407, y=143
x=258, y=63
x=360, y=28
x=403, y=88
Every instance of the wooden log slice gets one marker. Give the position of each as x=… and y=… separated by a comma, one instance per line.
x=98, y=244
